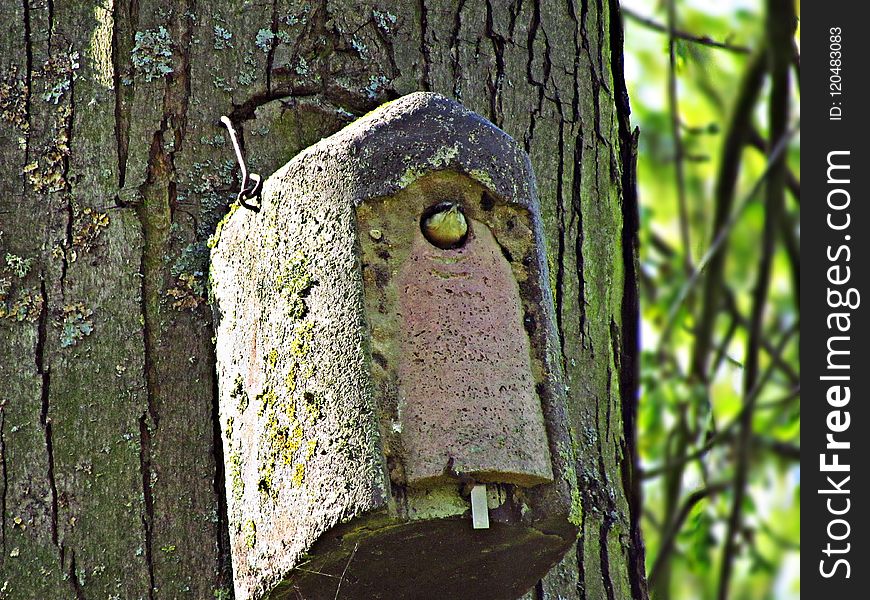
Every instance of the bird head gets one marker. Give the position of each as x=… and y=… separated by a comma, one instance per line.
x=444, y=225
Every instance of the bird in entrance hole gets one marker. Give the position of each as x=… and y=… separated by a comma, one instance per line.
x=444, y=225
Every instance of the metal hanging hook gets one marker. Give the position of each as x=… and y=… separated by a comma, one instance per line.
x=246, y=193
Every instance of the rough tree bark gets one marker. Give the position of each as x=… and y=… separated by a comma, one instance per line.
x=114, y=171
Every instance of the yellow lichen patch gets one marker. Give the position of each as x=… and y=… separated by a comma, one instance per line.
x=293, y=283
x=5, y=286
x=298, y=474
x=267, y=399
x=89, y=224
x=303, y=334
x=188, y=293
x=298, y=368
x=310, y=448
x=46, y=174
x=249, y=531
x=235, y=473
x=290, y=379
x=272, y=358
x=26, y=306
x=13, y=99
x=216, y=236
x=289, y=442
x=287, y=414
x=284, y=437
x=100, y=47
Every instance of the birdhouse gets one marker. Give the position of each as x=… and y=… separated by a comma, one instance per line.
x=391, y=397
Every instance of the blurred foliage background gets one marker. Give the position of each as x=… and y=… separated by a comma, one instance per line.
x=715, y=90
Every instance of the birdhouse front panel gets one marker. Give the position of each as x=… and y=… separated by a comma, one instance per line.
x=453, y=368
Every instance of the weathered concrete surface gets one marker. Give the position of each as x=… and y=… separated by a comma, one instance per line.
x=465, y=375
x=306, y=364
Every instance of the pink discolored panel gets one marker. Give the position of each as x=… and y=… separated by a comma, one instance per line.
x=467, y=399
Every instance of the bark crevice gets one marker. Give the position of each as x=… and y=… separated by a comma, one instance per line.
x=148, y=516
x=496, y=108
x=455, y=59
x=4, y=474
x=43, y=370
x=220, y=488
x=629, y=371
x=73, y=577
x=425, y=81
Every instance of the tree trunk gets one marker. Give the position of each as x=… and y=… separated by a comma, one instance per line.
x=115, y=170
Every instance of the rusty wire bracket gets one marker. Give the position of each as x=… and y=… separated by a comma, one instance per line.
x=246, y=192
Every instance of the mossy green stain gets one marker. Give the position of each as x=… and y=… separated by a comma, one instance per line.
x=283, y=439
x=216, y=236
x=575, y=512
x=249, y=532
x=303, y=335
x=410, y=175
x=235, y=472
x=293, y=283
x=483, y=177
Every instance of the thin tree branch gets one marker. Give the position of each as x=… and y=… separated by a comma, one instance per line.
x=777, y=360
x=780, y=19
x=666, y=546
x=737, y=320
x=679, y=153
x=791, y=180
x=725, y=434
x=778, y=447
x=721, y=352
x=717, y=243
x=344, y=572
x=793, y=395
x=787, y=225
x=788, y=230
x=726, y=183
x=695, y=39
x=796, y=62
